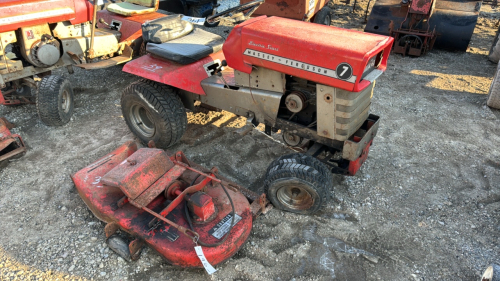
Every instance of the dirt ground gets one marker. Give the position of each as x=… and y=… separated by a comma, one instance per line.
x=425, y=205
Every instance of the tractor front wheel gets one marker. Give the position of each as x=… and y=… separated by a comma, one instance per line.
x=154, y=112
x=54, y=100
x=298, y=183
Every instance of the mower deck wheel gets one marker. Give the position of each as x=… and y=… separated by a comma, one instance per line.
x=54, y=100
x=324, y=16
x=119, y=246
x=154, y=112
x=493, y=99
x=296, y=187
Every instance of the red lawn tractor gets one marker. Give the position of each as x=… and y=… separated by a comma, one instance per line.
x=38, y=36
x=317, y=11
x=312, y=82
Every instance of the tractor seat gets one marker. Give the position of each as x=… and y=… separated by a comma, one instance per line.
x=176, y=40
x=134, y=7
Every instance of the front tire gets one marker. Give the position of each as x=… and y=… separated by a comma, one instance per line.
x=54, y=100
x=154, y=112
x=298, y=183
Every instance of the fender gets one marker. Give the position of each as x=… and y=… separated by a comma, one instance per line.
x=185, y=77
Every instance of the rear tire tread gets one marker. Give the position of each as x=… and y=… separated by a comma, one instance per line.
x=166, y=103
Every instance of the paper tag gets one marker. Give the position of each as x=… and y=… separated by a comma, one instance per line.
x=208, y=267
x=198, y=21
x=100, y=2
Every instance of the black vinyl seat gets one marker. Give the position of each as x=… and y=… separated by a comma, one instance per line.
x=176, y=40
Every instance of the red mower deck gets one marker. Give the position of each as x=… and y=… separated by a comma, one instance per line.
x=144, y=193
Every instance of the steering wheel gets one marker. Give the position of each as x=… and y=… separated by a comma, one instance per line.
x=234, y=15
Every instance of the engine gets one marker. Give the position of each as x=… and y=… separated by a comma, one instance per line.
x=38, y=46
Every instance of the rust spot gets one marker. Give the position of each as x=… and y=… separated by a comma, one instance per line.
x=328, y=98
x=283, y=4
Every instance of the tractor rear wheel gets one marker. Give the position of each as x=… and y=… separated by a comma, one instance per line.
x=154, y=112
x=324, y=16
x=54, y=100
x=493, y=99
x=298, y=183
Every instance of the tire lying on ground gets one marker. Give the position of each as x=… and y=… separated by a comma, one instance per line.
x=298, y=183
x=54, y=100
x=154, y=112
x=493, y=99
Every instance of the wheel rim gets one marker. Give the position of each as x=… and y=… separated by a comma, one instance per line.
x=141, y=120
x=65, y=101
x=328, y=20
x=294, y=196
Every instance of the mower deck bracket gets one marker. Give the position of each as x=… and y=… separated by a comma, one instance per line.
x=354, y=146
x=135, y=248
x=111, y=228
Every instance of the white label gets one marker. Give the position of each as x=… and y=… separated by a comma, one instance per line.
x=100, y=2
x=198, y=21
x=208, y=267
x=220, y=229
x=298, y=65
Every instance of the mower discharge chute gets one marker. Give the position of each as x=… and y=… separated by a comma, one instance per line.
x=420, y=25
x=312, y=82
x=168, y=204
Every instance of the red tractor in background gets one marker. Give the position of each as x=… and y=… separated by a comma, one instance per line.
x=317, y=11
x=37, y=37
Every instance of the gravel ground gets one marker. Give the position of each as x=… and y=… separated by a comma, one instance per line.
x=425, y=205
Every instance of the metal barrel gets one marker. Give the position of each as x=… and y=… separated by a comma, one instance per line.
x=454, y=21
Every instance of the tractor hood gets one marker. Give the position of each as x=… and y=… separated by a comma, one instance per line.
x=328, y=55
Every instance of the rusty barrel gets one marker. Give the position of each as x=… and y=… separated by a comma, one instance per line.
x=454, y=21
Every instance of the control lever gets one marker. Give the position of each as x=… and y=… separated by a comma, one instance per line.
x=101, y=20
x=218, y=72
x=220, y=68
